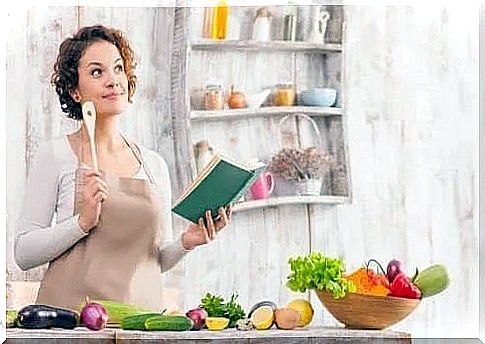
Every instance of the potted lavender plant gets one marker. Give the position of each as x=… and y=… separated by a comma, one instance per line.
x=305, y=167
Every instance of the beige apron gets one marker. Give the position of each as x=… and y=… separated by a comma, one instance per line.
x=119, y=259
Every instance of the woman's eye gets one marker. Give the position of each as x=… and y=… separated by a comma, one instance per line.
x=119, y=68
x=96, y=72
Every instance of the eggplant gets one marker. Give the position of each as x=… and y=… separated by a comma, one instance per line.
x=44, y=316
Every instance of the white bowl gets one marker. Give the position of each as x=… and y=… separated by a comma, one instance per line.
x=255, y=100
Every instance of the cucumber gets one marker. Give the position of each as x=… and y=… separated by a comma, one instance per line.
x=168, y=323
x=136, y=322
x=432, y=280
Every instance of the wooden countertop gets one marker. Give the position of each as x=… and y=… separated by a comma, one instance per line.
x=312, y=334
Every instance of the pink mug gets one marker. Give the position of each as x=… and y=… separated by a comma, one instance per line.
x=263, y=186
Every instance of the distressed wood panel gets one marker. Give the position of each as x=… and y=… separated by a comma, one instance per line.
x=54, y=336
x=307, y=335
x=33, y=106
x=180, y=99
x=339, y=176
x=334, y=32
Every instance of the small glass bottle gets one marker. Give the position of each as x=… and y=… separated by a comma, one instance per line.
x=220, y=21
x=262, y=25
x=203, y=153
x=289, y=24
x=214, y=97
x=207, y=24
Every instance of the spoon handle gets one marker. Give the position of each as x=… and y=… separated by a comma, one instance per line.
x=89, y=117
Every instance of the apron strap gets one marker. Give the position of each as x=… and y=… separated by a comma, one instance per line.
x=134, y=148
x=137, y=153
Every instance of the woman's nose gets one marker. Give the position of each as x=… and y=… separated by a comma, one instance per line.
x=112, y=80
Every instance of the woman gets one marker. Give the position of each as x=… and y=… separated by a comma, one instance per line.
x=113, y=232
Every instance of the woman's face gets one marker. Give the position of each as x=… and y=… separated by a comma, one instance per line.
x=102, y=79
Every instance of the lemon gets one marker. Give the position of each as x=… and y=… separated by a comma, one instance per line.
x=263, y=317
x=216, y=324
x=305, y=309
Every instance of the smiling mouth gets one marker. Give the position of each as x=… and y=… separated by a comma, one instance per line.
x=113, y=96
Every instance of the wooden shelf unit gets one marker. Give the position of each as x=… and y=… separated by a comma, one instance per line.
x=276, y=201
x=265, y=111
x=207, y=44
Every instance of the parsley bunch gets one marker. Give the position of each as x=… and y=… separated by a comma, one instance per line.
x=315, y=271
x=217, y=307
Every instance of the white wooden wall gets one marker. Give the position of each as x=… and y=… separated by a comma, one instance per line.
x=412, y=91
x=411, y=85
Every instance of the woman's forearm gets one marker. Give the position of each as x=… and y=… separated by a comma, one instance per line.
x=36, y=245
x=171, y=253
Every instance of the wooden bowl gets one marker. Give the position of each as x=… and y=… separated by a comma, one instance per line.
x=368, y=311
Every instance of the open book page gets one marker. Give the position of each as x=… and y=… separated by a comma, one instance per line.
x=254, y=165
x=200, y=177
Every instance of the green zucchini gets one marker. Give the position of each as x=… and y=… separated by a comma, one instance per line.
x=137, y=321
x=11, y=318
x=118, y=310
x=168, y=323
x=432, y=280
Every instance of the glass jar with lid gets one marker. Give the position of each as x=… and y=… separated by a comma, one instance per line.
x=284, y=95
x=214, y=97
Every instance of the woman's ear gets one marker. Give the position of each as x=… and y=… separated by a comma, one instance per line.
x=76, y=96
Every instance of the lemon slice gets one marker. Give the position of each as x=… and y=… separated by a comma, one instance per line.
x=263, y=317
x=216, y=323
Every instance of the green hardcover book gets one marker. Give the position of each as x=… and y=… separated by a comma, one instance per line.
x=221, y=183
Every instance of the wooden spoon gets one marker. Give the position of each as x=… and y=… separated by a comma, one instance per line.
x=89, y=117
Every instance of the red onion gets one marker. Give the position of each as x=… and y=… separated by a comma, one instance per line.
x=94, y=316
x=393, y=269
x=198, y=316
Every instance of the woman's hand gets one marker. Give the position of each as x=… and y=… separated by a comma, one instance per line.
x=95, y=192
x=200, y=234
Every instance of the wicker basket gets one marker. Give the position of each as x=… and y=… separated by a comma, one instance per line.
x=367, y=311
x=309, y=187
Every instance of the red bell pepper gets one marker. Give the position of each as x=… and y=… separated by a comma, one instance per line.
x=403, y=287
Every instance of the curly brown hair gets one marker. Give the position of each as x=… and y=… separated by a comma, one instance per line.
x=65, y=77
